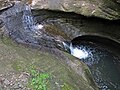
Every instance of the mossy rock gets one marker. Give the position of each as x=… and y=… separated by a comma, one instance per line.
x=67, y=72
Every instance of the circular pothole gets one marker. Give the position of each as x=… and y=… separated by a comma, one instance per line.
x=102, y=55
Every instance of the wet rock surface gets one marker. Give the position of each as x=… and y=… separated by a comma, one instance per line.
x=75, y=25
x=22, y=28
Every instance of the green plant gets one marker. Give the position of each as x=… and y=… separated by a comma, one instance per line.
x=39, y=80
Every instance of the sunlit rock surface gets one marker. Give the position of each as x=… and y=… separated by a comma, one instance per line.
x=107, y=9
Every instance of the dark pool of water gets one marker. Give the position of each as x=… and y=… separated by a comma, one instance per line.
x=104, y=64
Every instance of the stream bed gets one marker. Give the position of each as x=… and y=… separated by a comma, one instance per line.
x=103, y=59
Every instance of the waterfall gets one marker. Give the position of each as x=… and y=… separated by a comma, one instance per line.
x=27, y=18
x=20, y=23
x=29, y=23
x=78, y=52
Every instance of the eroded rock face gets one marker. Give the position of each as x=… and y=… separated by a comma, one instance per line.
x=108, y=9
x=65, y=70
x=5, y=4
x=21, y=27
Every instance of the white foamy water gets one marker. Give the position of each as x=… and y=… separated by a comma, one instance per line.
x=100, y=60
x=39, y=26
x=79, y=53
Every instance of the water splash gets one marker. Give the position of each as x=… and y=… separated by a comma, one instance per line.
x=102, y=63
x=78, y=52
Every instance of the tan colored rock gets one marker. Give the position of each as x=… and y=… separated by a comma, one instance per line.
x=107, y=9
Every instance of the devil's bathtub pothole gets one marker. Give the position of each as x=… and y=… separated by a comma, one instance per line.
x=103, y=60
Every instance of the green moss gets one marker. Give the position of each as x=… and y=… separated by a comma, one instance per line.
x=67, y=87
x=7, y=41
x=16, y=66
